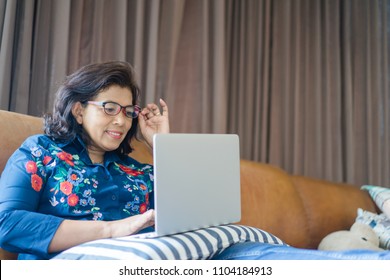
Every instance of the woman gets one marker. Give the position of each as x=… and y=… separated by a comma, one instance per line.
x=76, y=182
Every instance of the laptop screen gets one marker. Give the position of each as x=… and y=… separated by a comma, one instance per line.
x=197, y=181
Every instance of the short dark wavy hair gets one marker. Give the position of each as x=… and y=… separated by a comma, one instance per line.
x=82, y=86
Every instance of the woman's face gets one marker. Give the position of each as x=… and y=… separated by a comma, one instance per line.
x=106, y=132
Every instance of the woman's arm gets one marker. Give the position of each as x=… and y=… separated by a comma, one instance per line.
x=74, y=232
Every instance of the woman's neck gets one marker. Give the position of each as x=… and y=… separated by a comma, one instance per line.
x=96, y=157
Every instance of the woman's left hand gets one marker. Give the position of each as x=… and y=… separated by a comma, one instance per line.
x=151, y=121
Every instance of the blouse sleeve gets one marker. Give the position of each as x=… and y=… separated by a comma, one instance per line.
x=22, y=228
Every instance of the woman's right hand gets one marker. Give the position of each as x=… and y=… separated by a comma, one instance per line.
x=131, y=225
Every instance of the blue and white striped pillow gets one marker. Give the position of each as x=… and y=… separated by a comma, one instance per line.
x=193, y=245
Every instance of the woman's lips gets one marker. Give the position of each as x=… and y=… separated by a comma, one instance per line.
x=114, y=134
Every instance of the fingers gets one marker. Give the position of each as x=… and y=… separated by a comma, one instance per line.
x=152, y=110
x=146, y=219
x=164, y=107
x=132, y=224
x=154, y=120
x=149, y=217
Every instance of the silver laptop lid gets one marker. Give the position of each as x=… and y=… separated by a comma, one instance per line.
x=197, y=181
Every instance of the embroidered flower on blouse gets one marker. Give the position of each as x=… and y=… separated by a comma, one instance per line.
x=83, y=202
x=143, y=188
x=97, y=216
x=87, y=193
x=36, y=182
x=66, y=187
x=136, y=206
x=47, y=159
x=142, y=208
x=31, y=167
x=66, y=157
x=73, y=199
x=130, y=171
x=91, y=201
x=36, y=152
x=74, y=176
x=147, y=198
x=140, y=185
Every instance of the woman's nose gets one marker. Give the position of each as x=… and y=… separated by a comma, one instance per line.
x=121, y=117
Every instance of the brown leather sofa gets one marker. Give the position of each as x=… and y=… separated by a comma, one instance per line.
x=299, y=210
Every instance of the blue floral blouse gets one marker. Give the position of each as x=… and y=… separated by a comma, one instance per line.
x=45, y=182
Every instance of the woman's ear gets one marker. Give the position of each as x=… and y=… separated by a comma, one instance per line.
x=77, y=111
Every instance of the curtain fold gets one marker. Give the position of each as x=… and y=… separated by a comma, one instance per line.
x=8, y=18
x=304, y=83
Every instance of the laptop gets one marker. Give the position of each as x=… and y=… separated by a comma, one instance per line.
x=196, y=182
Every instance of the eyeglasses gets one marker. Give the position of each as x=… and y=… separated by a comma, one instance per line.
x=113, y=109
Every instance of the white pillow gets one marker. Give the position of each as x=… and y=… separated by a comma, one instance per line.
x=381, y=196
x=379, y=223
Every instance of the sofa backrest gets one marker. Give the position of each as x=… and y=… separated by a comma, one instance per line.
x=299, y=210
x=14, y=129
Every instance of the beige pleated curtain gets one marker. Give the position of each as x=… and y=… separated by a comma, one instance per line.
x=305, y=83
